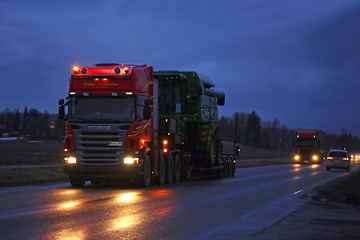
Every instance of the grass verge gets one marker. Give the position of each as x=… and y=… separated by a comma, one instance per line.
x=23, y=176
x=243, y=163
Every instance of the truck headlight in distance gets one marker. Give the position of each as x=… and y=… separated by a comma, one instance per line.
x=70, y=160
x=315, y=157
x=131, y=160
x=297, y=157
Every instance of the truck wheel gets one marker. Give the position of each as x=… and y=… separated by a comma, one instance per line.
x=225, y=170
x=77, y=181
x=162, y=171
x=228, y=168
x=95, y=182
x=212, y=150
x=170, y=169
x=145, y=179
x=232, y=168
x=177, y=168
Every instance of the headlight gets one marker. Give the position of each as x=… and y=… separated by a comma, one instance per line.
x=131, y=160
x=297, y=157
x=315, y=157
x=70, y=160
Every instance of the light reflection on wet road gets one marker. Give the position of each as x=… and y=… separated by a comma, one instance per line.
x=202, y=209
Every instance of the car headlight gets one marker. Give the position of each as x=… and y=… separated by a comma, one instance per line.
x=131, y=160
x=70, y=160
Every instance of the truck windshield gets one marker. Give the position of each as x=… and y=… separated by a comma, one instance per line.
x=307, y=142
x=102, y=109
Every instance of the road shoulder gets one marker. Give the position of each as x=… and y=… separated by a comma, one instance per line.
x=332, y=213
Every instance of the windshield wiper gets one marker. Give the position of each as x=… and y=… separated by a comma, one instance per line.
x=79, y=120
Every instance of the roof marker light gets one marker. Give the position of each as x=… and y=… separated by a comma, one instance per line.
x=76, y=69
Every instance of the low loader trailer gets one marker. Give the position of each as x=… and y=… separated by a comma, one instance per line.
x=127, y=122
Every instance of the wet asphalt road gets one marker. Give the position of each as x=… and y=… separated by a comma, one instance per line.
x=229, y=208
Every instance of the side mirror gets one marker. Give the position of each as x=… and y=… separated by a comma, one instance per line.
x=61, y=114
x=237, y=150
x=148, y=102
x=147, y=112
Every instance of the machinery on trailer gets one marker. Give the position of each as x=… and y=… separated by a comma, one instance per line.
x=126, y=122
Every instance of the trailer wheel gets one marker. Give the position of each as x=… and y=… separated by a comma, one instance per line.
x=77, y=181
x=177, y=168
x=162, y=171
x=170, y=169
x=232, y=168
x=145, y=179
x=96, y=182
x=226, y=167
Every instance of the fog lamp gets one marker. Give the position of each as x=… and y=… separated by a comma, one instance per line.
x=131, y=160
x=70, y=160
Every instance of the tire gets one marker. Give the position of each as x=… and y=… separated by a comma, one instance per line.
x=226, y=167
x=169, y=169
x=162, y=171
x=77, y=181
x=145, y=178
x=232, y=168
x=95, y=182
x=212, y=152
x=177, y=168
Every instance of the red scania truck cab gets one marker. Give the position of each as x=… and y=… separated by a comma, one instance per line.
x=108, y=124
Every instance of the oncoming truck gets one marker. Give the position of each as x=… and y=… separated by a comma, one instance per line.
x=307, y=146
x=126, y=122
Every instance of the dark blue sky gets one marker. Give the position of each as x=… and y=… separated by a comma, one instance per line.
x=297, y=61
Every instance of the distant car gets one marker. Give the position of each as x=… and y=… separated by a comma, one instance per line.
x=337, y=159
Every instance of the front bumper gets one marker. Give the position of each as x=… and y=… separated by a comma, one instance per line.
x=113, y=171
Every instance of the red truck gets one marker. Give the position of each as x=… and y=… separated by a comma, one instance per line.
x=307, y=146
x=126, y=122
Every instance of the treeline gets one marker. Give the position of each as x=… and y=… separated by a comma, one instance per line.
x=251, y=130
x=272, y=135
x=30, y=124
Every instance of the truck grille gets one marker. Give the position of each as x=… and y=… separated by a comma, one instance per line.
x=99, y=145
